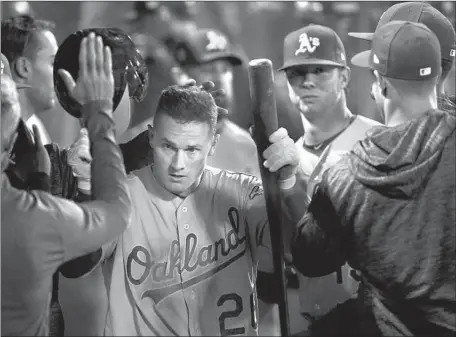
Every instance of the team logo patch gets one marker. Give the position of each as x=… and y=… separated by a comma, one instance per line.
x=216, y=42
x=452, y=52
x=425, y=71
x=307, y=44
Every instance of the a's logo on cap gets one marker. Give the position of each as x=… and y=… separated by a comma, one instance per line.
x=217, y=42
x=452, y=52
x=375, y=59
x=307, y=44
x=425, y=71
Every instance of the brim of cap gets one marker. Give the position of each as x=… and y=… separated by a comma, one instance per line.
x=361, y=59
x=362, y=36
x=233, y=58
x=317, y=62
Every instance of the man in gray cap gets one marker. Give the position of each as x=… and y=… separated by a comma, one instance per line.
x=317, y=76
x=424, y=13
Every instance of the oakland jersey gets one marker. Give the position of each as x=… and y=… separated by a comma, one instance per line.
x=187, y=267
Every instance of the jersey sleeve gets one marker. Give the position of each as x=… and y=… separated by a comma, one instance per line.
x=257, y=224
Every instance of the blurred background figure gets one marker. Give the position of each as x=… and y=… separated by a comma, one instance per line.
x=30, y=47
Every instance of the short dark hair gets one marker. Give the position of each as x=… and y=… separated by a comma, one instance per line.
x=18, y=34
x=188, y=104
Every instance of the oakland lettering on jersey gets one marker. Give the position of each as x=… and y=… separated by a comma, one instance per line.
x=209, y=254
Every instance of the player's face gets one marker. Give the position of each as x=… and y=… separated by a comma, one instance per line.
x=180, y=152
x=316, y=88
x=221, y=73
x=42, y=94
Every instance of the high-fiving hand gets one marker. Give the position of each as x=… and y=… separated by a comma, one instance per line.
x=95, y=80
x=184, y=80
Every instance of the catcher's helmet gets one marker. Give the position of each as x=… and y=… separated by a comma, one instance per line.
x=128, y=67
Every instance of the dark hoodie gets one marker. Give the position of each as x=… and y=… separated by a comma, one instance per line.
x=388, y=209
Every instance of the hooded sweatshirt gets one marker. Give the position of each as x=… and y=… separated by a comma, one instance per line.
x=388, y=209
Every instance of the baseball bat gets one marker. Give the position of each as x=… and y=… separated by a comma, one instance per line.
x=261, y=80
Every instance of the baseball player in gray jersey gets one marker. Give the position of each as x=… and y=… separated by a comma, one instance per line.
x=187, y=264
x=317, y=76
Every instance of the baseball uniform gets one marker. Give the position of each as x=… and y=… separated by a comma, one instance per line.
x=236, y=151
x=187, y=266
x=314, y=292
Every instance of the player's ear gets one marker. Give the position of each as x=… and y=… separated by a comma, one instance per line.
x=150, y=134
x=22, y=67
x=215, y=140
x=344, y=76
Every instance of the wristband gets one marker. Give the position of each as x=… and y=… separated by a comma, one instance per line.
x=287, y=183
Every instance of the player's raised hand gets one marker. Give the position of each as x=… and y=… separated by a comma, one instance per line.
x=282, y=155
x=95, y=80
x=207, y=86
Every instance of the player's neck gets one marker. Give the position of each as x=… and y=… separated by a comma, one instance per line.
x=187, y=192
x=409, y=109
x=27, y=109
x=327, y=125
x=192, y=187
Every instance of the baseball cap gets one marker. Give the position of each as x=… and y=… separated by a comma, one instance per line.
x=6, y=70
x=129, y=67
x=402, y=50
x=203, y=46
x=424, y=13
x=313, y=44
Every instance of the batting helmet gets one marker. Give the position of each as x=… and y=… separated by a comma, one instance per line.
x=128, y=67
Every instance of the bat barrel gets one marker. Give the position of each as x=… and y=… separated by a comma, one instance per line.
x=261, y=77
x=262, y=93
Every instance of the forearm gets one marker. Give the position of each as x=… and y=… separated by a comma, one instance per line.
x=314, y=253
x=295, y=203
x=107, y=170
x=108, y=214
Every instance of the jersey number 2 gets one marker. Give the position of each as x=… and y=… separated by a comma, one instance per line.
x=239, y=306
